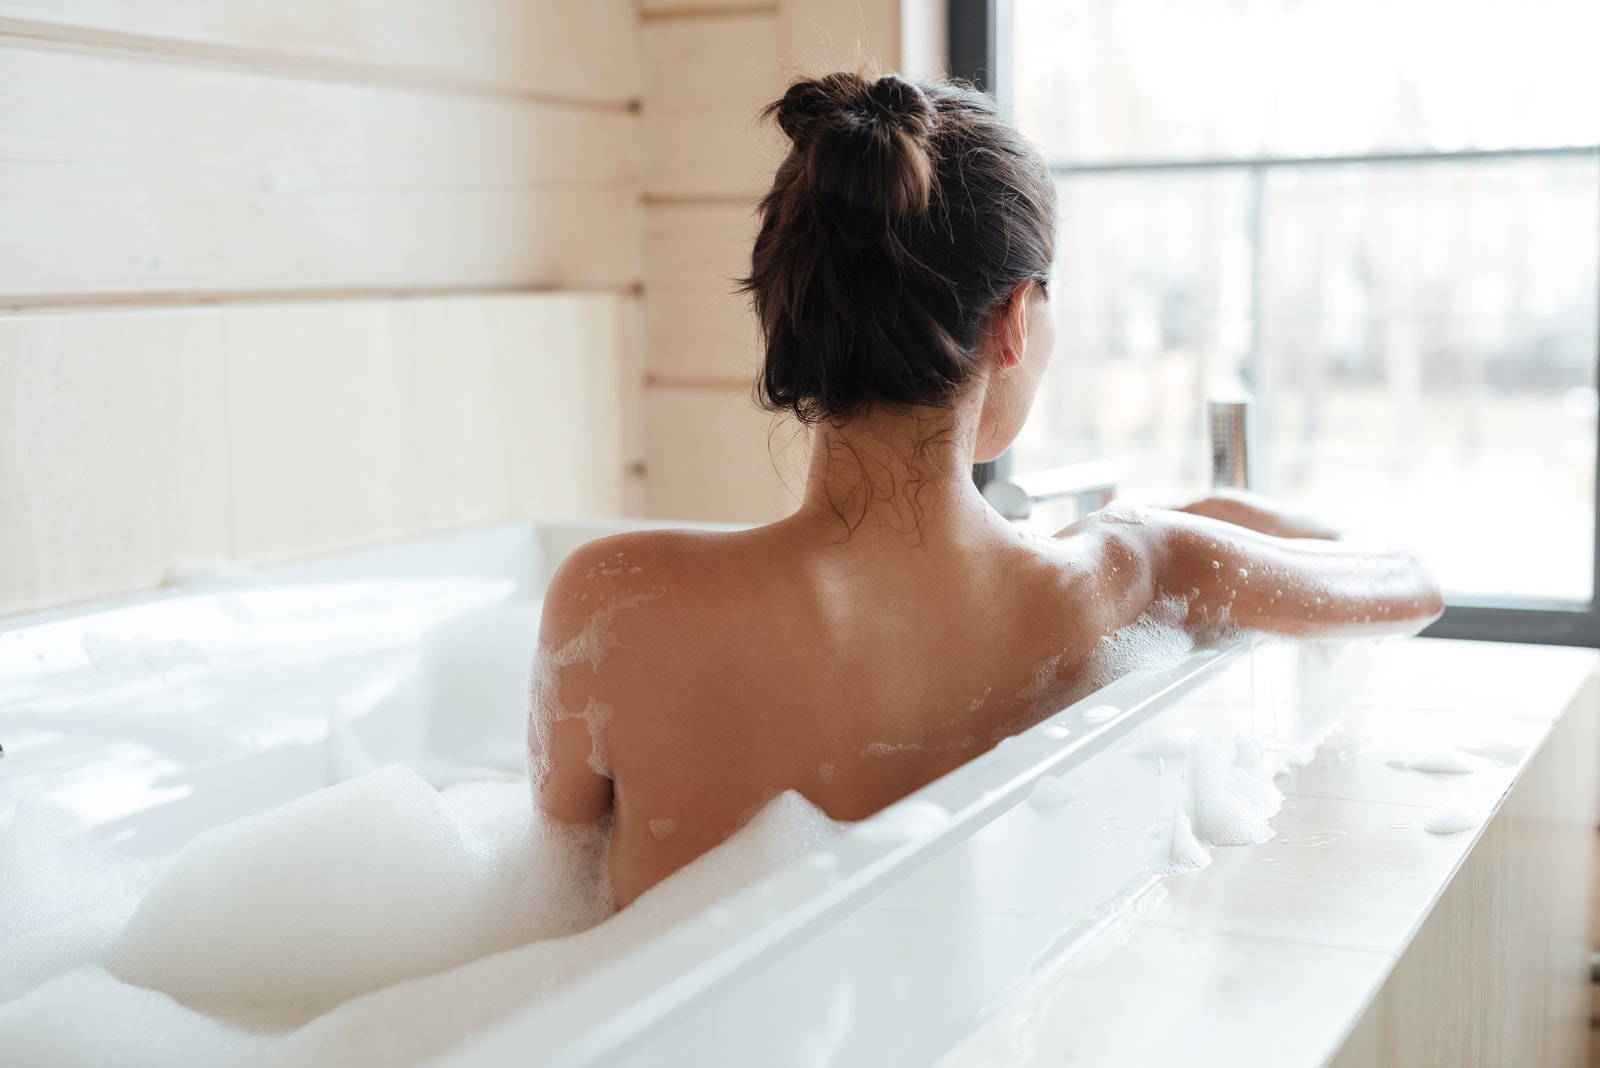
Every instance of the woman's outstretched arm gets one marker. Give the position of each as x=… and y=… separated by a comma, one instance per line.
x=1232, y=574
x=1261, y=514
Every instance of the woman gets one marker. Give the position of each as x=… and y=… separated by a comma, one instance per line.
x=894, y=626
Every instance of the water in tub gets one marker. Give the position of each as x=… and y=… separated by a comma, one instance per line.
x=383, y=919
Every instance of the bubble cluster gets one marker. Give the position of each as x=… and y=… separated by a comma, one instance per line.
x=378, y=921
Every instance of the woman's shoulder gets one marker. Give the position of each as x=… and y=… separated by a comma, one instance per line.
x=632, y=570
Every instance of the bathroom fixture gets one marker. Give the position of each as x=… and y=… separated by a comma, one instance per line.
x=1232, y=442
x=1090, y=484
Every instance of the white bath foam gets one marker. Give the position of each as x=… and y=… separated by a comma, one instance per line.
x=409, y=1021
x=89, y=1018
x=1454, y=816
x=37, y=957
x=1446, y=761
x=50, y=873
x=1234, y=795
x=1188, y=853
x=591, y=646
x=1158, y=638
x=348, y=890
x=413, y=1021
x=595, y=716
x=901, y=822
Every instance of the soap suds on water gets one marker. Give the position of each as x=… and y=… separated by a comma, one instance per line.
x=378, y=921
x=1454, y=816
x=50, y=875
x=1235, y=796
x=1158, y=638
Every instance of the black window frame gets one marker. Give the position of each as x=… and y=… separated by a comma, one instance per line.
x=979, y=38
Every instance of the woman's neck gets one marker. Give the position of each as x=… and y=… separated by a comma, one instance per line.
x=902, y=475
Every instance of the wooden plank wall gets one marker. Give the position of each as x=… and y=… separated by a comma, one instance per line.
x=250, y=248
x=279, y=278
x=709, y=68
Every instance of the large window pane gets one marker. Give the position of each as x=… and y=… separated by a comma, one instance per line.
x=1420, y=335
x=1429, y=348
x=1166, y=79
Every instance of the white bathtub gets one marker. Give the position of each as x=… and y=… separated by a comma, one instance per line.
x=156, y=717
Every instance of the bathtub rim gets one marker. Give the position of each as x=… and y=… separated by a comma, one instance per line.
x=620, y=1006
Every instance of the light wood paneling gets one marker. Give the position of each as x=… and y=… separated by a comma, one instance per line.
x=631, y=380
x=130, y=176
x=714, y=455
x=466, y=410
x=113, y=453
x=539, y=399
x=824, y=35
x=706, y=81
x=338, y=432
x=1498, y=974
x=694, y=246
x=699, y=327
x=703, y=7
x=701, y=338
x=267, y=432
x=557, y=48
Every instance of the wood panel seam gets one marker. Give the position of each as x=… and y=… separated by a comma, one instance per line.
x=691, y=200
x=26, y=33
x=657, y=380
x=706, y=11
x=22, y=305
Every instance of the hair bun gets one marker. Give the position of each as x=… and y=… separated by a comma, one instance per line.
x=865, y=145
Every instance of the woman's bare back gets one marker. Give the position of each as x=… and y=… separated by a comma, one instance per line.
x=688, y=678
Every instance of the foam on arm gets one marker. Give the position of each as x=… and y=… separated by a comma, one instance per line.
x=566, y=719
x=1232, y=576
x=1229, y=576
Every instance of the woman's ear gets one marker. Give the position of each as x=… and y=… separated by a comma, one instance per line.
x=1012, y=326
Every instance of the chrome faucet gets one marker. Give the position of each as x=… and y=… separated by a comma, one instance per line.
x=1232, y=442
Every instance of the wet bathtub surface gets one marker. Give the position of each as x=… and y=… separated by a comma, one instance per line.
x=1272, y=955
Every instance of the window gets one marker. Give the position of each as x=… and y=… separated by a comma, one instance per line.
x=1382, y=221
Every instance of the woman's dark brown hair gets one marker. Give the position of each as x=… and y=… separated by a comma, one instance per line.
x=904, y=215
